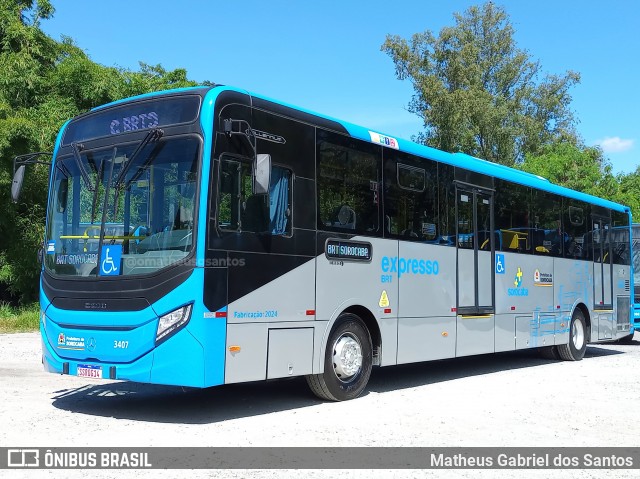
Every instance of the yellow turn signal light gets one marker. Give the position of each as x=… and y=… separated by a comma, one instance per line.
x=234, y=349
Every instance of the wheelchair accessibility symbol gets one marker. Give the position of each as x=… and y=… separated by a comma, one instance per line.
x=110, y=260
x=500, y=264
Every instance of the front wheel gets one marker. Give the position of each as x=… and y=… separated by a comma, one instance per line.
x=347, y=362
x=574, y=351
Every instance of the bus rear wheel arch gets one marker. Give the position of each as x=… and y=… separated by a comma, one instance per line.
x=348, y=361
x=578, y=337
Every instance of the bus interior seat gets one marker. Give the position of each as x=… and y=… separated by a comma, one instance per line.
x=346, y=217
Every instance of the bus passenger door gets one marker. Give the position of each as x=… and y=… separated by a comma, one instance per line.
x=602, y=276
x=475, y=280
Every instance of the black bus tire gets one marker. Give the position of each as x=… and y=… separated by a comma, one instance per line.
x=575, y=349
x=347, y=363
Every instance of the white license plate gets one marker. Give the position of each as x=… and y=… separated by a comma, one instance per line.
x=89, y=371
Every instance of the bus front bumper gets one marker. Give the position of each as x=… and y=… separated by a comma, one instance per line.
x=178, y=361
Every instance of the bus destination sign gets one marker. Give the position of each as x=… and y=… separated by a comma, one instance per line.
x=348, y=250
x=142, y=115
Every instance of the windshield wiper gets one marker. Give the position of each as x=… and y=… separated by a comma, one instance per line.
x=75, y=148
x=153, y=135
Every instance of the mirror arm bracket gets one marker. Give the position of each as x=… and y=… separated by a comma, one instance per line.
x=232, y=127
x=31, y=159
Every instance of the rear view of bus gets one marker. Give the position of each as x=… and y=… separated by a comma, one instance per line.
x=118, y=272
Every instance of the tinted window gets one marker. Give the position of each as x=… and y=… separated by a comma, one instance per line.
x=446, y=205
x=511, y=216
x=575, y=221
x=240, y=210
x=348, y=184
x=547, y=237
x=620, y=233
x=410, y=197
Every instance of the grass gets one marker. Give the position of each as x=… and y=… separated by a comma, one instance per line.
x=19, y=319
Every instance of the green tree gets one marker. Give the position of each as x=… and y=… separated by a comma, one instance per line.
x=581, y=168
x=43, y=83
x=477, y=92
x=629, y=186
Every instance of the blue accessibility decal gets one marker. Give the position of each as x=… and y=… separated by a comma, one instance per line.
x=110, y=260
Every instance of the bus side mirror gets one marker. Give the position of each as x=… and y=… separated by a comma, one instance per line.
x=16, y=185
x=261, y=174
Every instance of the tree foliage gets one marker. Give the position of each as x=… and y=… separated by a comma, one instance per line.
x=628, y=191
x=477, y=92
x=577, y=167
x=584, y=168
x=43, y=83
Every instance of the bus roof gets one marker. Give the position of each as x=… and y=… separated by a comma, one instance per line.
x=461, y=160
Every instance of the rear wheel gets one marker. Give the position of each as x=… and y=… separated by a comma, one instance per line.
x=574, y=351
x=347, y=362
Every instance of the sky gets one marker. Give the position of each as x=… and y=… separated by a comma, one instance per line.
x=325, y=55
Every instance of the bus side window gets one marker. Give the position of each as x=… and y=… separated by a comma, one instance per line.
x=547, y=235
x=575, y=227
x=621, y=239
x=410, y=197
x=512, y=224
x=240, y=210
x=348, y=184
x=229, y=195
x=446, y=205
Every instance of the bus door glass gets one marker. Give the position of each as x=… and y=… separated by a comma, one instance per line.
x=475, y=242
x=602, y=264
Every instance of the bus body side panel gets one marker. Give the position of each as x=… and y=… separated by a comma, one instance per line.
x=526, y=314
x=622, y=300
x=266, y=280
x=427, y=318
x=285, y=302
x=342, y=283
x=573, y=285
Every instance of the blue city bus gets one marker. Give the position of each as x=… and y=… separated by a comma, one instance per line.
x=207, y=236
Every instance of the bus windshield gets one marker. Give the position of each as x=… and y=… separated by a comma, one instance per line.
x=117, y=211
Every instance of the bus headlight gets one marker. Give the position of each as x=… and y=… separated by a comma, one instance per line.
x=173, y=321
